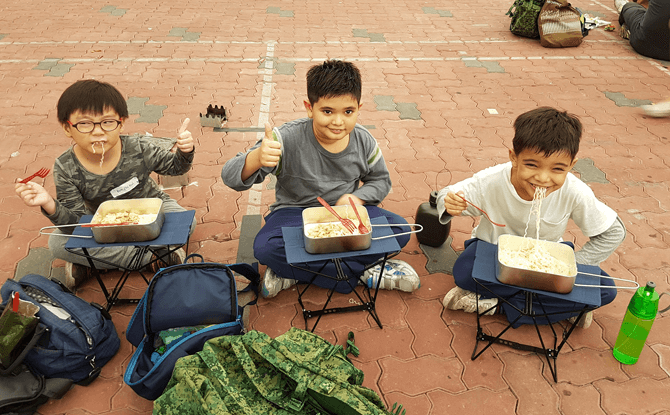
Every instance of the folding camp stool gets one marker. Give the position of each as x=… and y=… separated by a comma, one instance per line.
x=174, y=235
x=299, y=258
x=583, y=298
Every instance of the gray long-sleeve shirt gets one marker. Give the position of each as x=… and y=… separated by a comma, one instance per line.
x=307, y=170
x=80, y=192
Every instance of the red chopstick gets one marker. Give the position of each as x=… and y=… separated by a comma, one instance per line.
x=15, y=302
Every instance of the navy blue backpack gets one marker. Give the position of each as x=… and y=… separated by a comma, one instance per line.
x=80, y=337
x=184, y=306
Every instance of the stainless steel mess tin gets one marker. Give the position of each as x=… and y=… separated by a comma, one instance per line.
x=537, y=280
x=354, y=242
x=133, y=232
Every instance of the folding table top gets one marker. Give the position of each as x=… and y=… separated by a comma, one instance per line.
x=174, y=232
x=294, y=244
x=485, y=270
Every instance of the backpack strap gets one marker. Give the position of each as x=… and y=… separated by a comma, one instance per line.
x=250, y=272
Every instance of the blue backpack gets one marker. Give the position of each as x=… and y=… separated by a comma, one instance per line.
x=184, y=306
x=80, y=337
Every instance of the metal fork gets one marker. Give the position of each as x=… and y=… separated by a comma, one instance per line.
x=347, y=223
x=40, y=173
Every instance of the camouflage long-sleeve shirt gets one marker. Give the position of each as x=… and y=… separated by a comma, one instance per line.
x=79, y=192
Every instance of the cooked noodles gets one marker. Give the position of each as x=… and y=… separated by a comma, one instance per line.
x=534, y=256
x=327, y=230
x=102, y=156
x=127, y=217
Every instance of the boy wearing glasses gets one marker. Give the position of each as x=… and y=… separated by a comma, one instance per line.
x=102, y=165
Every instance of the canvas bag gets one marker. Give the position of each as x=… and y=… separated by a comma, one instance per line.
x=524, y=17
x=80, y=338
x=296, y=373
x=189, y=295
x=560, y=25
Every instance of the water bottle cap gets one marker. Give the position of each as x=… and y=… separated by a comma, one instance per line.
x=644, y=303
x=433, y=198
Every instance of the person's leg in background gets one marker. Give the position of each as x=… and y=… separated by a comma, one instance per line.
x=659, y=109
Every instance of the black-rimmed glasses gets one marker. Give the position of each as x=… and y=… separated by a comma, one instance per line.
x=89, y=126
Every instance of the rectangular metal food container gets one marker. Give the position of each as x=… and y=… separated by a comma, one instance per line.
x=129, y=233
x=536, y=280
x=354, y=242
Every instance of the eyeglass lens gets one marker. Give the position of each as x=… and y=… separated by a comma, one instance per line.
x=88, y=126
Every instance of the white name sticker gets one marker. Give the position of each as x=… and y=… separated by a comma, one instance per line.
x=125, y=188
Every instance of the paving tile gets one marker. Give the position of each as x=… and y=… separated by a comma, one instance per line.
x=474, y=401
x=524, y=375
x=429, y=372
x=576, y=399
x=616, y=396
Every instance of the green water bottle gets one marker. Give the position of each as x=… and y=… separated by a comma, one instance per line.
x=636, y=324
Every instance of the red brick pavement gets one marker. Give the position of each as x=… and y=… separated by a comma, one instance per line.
x=458, y=71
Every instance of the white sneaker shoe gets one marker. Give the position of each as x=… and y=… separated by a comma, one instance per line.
x=585, y=321
x=398, y=275
x=659, y=110
x=460, y=299
x=272, y=284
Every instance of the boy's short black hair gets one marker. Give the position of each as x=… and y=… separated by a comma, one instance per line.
x=547, y=130
x=90, y=96
x=333, y=78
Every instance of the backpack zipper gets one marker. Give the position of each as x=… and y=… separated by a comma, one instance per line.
x=71, y=319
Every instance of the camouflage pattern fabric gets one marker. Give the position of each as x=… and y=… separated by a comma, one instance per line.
x=524, y=18
x=80, y=192
x=296, y=373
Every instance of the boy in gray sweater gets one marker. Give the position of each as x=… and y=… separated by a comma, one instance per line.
x=327, y=155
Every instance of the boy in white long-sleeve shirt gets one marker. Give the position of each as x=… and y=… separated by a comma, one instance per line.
x=545, y=147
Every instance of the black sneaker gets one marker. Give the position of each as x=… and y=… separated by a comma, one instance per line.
x=175, y=258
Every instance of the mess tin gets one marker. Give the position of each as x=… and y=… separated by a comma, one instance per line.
x=538, y=280
x=344, y=243
x=134, y=232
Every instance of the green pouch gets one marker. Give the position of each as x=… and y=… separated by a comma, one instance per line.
x=16, y=330
x=524, y=14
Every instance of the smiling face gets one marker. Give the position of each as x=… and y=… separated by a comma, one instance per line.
x=91, y=144
x=334, y=118
x=531, y=169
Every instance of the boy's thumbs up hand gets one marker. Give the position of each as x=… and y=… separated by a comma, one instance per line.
x=184, y=138
x=270, y=148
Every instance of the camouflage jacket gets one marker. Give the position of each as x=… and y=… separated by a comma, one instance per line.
x=80, y=192
x=296, y=373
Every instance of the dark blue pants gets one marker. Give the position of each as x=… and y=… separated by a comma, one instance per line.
x=269, y=249
x=463, y=278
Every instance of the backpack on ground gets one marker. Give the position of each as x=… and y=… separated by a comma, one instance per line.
x=184, y=306
x=296, y=373
x=560, y=25
x=524, y=14
x=22, y=391
x=80, y=337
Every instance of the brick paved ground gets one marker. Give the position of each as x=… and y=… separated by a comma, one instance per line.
x=443, y=82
